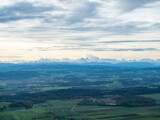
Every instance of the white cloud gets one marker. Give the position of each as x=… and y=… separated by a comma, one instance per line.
x=79, y=25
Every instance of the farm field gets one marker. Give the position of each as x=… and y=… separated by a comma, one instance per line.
x=118, y=113
x=122, y=113
x=153, y=96
x=68, y=109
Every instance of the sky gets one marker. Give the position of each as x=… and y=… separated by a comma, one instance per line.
x=116, y=29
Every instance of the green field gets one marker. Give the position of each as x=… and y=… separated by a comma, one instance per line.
x=68, y=109
x=153, y=96
x=42, y=111
x=118, y=113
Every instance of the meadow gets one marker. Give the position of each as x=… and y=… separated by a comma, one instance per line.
x=68, y=109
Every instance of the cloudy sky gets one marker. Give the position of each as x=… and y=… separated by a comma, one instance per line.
x=119, y=29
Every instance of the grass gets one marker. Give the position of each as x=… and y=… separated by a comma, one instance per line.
x=2, y=104
x=52, y=88
x=40, y=111
x=117, y=113
x=153, y=96
x=64, y=108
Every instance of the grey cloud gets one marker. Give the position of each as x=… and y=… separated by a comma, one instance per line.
x=125, y=29
x=87, y=10
x=156, y=26
x=22, y=10
x=26, y=10
x=82, y=38
x=137, y=49
x=128, y=49
x=128, y=28
x=93, y=48
x=131, y=41
x=60, y=48
x=129, y=5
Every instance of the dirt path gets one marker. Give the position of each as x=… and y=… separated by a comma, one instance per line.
x=73, y=107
